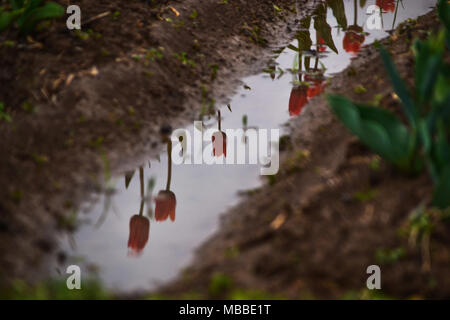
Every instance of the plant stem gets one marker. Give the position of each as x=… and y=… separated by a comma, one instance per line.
x=141, y=179
x=395, y=14
x=300, y=54
x=169, y=163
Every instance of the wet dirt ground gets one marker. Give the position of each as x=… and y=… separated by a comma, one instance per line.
x=304, y=234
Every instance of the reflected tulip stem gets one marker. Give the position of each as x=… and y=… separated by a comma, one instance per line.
x=141, y=179
x=316, y=65
x=395, y=14
x=219, y=120
x=169, y=164
x=356, y=12
x=300, y=53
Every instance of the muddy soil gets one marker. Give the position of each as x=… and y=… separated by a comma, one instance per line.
x=84, y=102
x=334, y=210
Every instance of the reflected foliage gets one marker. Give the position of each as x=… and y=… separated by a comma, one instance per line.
x=310, y=80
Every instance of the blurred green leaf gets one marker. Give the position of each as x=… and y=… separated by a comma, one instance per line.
x=17, y=4
x=30, y=5
x=379, y=129
x=444, y=15
x=409, y=106
x=441, y=198
x=7, y=18
x=28, y=14
x=50, y=10
x=428, y=64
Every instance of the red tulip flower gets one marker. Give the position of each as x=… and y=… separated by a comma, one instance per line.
x=165, y=205
x=386, y=5
x=219, y=141
x=298, y=100
x=139, y=231
x=315, y=89
x=317, y=85
x=354, y=39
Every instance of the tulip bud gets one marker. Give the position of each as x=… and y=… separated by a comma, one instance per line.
x=165, y=205
x=219, y=140
x=139, y=232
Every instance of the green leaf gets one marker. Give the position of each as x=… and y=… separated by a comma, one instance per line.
x=346, y=112
x=441, y=90
x=440, y=111
x=400, y=87
x=444, y=15
x=304, y=41
x=29, y=7
x=7, y=18
x=323, y=29
x=425, y=136
x=303, y=35
x=428, y=64
x=338, y=8
x=17, y=4
x=50, y=10
x=378, y=128
x=128, y=177
x=397, y=132
x=377, y=139
x=441, y=147
x=441, y=197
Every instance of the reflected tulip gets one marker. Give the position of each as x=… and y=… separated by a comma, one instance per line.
x=386, y=5
x=165, y=201
x=298, y=99
x=219, y=141
x=139, y=231
x=354, y=39
x=139, y=225
x=165, y=205
x=316, y=89
x=317, y=85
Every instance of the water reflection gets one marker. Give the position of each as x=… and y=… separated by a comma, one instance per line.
x=297, y=74
x=309, y=82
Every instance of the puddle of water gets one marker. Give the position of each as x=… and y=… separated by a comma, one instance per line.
x=204, y=192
